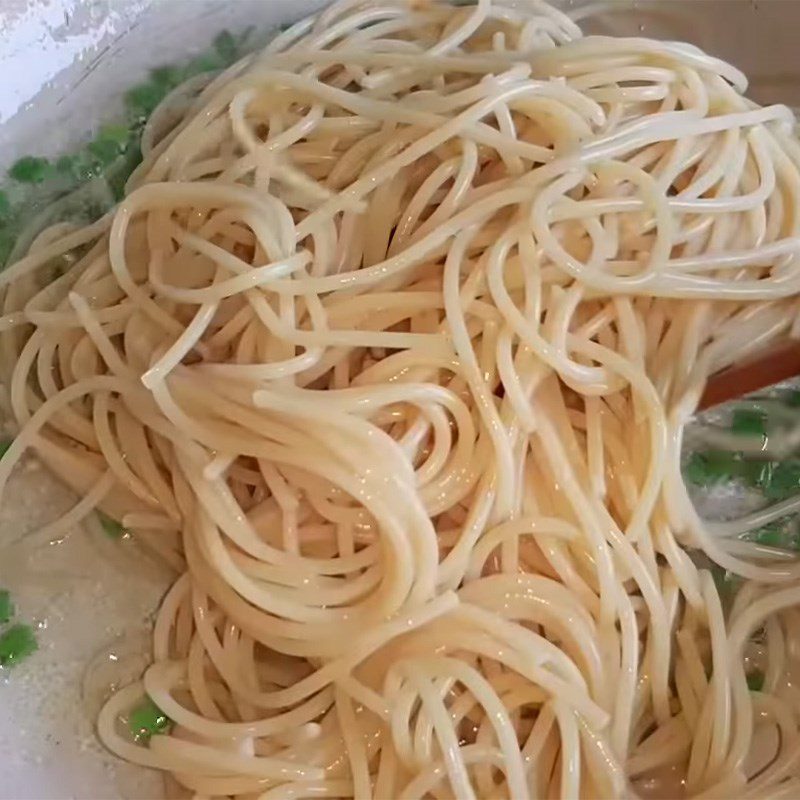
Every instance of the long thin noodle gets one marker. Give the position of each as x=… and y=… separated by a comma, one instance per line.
x=388, y=350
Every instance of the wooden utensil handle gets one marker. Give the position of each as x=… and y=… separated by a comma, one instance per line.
x=756, y=372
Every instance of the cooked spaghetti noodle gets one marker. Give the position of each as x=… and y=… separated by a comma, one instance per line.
x=388, y=351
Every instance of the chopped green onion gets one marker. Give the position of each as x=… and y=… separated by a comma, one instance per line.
x=225, y=45
x=4, y=445
x=755, y=681
x=142, y=100
x=747, y=422
x=208, y=62
x=114, y=153
x=112, y=528
x=87, y=166
x=757, y=473
x=147, y=720
x=16, y=644
x=713, y=466
x=6, y=606
x=784, y=481
x=119, y=134
x=696, y=471
x=117, y=177
x=104, y=150
x=65, y=164
x=783, y=532
x=167, y=77
x=771, y=534
x=30, y=169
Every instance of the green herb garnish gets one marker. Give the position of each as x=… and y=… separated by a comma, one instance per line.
x=784, y=481
x=112, y=528
x=755, y=681
x=696, y=470
x=771, y=535
x=208, y=62
x=113, y=154
x=757, y=473
x=166, y=76
x=104, y=151
x=119, y=134
x=6, y=606
x=747, y=422
x=142, y=100
x=225, y=45
x=4, y=445
x=147, y=720
x=110, y=143
x=713, y=466
x=65, y=165
x=16, y=644
x=782, y=533
x=30, y=169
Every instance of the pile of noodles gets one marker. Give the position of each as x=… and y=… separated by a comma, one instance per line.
x=388, y=351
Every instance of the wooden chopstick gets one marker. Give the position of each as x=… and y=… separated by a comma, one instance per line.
x=756, y=372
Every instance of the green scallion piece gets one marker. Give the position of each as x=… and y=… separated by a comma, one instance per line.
x=722, y=465
x=225, y=45
x=65, y=165
x=710, y=467
x=16, y=644
x=4, y=445
x=784, y=481
x=30, y=169
x=757, y=473
x=208, y=62
x=167, y=77
x=142, y=100
x=147, y=720
x=747, y=422
x=112, y=528
x=755, y=681
x=6, y=606
x=120, y=134
x=5, y=205
x=783, y=533
x=696, y=470
x=104, y=150
x=771, y=534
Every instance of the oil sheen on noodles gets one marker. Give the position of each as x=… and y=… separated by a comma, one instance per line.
x=388, y=351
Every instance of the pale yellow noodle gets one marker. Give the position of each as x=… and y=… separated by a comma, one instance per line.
x=388, y=351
